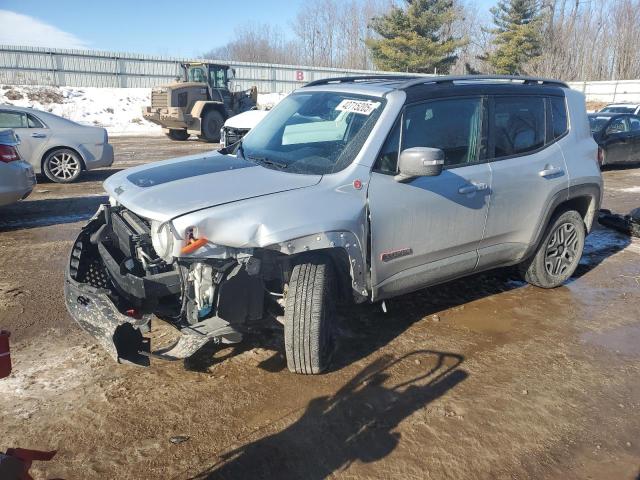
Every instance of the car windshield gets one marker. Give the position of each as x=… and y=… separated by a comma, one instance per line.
x=312, y=132
x=598, y=123
x=618, y=109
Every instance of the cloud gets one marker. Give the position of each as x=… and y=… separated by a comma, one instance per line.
x=23, y=30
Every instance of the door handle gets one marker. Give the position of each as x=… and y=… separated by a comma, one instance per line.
x=550, y=171
x=471, y=188
x=38, y=135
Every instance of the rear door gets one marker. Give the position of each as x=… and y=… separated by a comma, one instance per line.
x=528, y=169
x=32, y=133
x=428, y=230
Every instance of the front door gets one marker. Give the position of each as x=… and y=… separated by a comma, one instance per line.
x=634, y=139
x=427, y=230
x=616, y=138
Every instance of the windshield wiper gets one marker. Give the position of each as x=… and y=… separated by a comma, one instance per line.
x=266, y=161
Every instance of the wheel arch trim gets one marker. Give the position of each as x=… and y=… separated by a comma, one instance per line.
x=327, y=240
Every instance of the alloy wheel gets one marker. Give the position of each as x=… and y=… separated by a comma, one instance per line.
x=64, y=166
x=562, y=249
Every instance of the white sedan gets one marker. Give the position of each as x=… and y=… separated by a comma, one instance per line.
x=17, y=178
x=57, y=147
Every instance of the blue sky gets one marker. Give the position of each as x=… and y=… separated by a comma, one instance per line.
x=161, y=27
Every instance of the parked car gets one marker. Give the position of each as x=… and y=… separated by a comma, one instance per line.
x=239, y=125
x=618, y=137
x=17, y=178
x=351, y=189
x=55, y=146
x=633, y=108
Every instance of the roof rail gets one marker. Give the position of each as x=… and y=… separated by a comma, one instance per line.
x=361, y=78
x=479, y=78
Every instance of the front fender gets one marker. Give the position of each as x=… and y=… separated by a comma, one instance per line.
x=200, y=105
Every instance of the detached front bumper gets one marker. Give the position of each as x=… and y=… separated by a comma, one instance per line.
x=91, y=301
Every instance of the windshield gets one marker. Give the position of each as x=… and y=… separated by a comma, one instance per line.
x=598, y=123
x=618, y=109
x=312, y=133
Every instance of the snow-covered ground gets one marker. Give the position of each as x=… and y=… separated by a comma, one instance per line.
x=119, y=110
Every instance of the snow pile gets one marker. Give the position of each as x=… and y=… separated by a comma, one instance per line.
x=119, y=110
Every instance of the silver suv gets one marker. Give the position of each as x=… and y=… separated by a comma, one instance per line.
x=351, y=189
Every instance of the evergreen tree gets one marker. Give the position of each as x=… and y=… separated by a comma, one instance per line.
x=416, y=38
x=517, y=35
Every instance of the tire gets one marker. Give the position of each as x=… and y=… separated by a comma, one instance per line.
x=309, y=316
x=62, y=165
x=558, y=253
x=178, y=135
x=211, y=124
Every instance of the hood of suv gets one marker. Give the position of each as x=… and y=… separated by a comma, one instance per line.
x=168, y=189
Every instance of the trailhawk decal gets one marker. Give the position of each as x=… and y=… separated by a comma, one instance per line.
x=357, y=106
x=395, y=254
x=187, y=168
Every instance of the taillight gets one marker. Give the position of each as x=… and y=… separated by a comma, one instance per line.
x=8, y=154
x=600, y=155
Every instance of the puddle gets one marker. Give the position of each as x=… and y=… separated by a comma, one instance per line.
x=622, y=340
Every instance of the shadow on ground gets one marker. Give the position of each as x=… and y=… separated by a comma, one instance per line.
x=355, y=424
x=52, y=211
x=86, y=176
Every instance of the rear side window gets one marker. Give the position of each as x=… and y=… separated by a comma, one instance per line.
x=34, y=122
x=517, y=125
x=12, y=119
x=558, y=116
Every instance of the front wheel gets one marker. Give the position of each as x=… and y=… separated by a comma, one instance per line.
x=210, y=127
x=559, y=252
x=309, y=316
x=62, y=166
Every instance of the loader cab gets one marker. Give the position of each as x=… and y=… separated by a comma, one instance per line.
x=215, y=76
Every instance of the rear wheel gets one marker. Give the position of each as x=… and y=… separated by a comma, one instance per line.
x=178, y=135
x=559, y=252
x=62, y=165
x=309, y=316
x=210, y=127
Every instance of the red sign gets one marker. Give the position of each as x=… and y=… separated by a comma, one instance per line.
x=300, y=75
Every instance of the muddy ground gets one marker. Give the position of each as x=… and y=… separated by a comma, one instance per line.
x=482, y=378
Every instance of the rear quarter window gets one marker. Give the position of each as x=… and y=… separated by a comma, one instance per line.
x=558, y=117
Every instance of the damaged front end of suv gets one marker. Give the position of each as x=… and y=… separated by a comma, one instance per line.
x=215, y=245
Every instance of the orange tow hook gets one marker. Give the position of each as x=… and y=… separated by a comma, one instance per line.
x=194, y=245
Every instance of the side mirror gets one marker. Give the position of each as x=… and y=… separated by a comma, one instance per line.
x=419, y=162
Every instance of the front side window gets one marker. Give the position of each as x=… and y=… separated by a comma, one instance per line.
x=452, y=125
x=618, y=125
x=312, y=132
x=517, y=125
x=634, y=124
x=13, y=119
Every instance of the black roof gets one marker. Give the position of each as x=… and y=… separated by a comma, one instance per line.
x=404, y=82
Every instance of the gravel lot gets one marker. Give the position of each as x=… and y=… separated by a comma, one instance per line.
x=482, y=378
